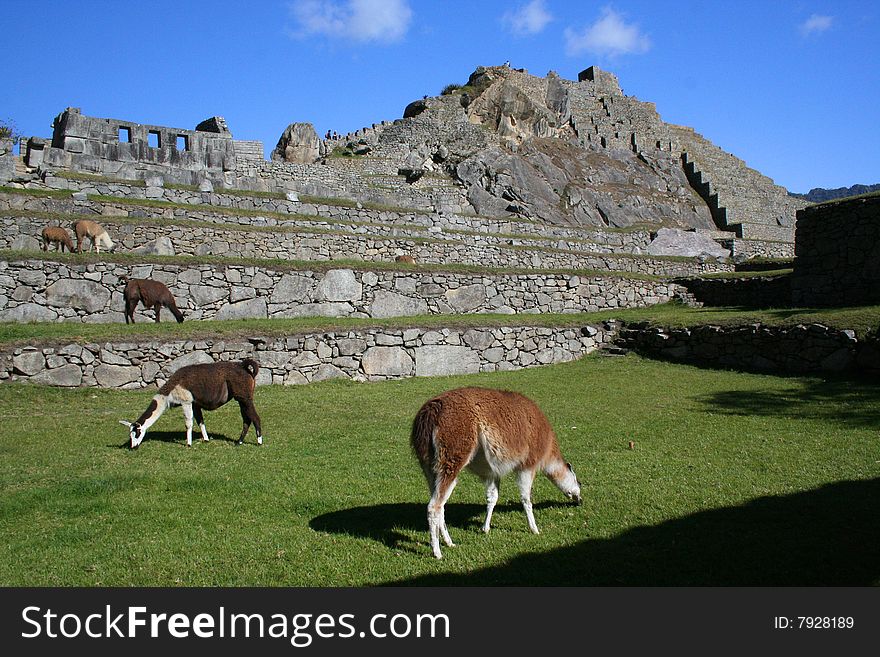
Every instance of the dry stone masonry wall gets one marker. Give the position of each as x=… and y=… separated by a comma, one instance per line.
x=837, y=254
x=298, y=359
x=38, y=290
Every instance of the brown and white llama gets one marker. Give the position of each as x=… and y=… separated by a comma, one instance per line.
x=203, y=387
x=86, y=228
x=405, y=259
x=153, y=294
x=491, y=433
x=58, y=236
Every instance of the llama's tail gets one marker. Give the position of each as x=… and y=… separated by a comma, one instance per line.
x=249, y=364
x=422, y=437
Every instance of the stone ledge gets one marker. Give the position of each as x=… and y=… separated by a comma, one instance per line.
x=362, y=355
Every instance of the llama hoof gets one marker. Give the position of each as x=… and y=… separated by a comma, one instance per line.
x=259, y=440
x=485, y=530
x=239, y=442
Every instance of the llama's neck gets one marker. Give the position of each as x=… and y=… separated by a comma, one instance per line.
x=154, y=411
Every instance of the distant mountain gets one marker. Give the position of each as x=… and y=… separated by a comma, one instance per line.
x=819, y=195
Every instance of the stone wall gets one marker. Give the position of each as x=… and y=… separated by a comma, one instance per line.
x=131, y=150
x=38, y=290
x=800, y=349
x=296, y=359
x=324, y=246
x=319, y=215
x=750, y=292
x=837, y=254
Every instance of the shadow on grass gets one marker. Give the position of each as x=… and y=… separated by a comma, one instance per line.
x=850, y=403
x=384, y=522
x=175, y=437
x=828, y=536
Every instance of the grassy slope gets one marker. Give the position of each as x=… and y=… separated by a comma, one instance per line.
x=860, y=319
x=334, y=496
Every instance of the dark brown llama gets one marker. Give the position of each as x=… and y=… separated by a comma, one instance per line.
x=153, y=294
x=491, y=433
x=204, y=387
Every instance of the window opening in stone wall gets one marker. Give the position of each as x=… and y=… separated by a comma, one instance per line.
x=182, y=143
x=154, y=139
x=124, y=135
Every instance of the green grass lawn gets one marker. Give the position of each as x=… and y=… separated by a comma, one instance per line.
x=734, y=479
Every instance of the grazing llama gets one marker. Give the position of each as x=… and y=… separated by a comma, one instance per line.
x=406, y=259
x=492, y=433
x=58, y=236
x=86, y=228
x=153, y=294
x=204, y=387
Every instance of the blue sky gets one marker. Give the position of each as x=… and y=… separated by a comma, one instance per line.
x=791, y=87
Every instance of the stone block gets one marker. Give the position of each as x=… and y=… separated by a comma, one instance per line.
x=339, y=285
x=387, y=361
x=116, y=376
x=68, y=376
x=444, y=360
x=391, y=304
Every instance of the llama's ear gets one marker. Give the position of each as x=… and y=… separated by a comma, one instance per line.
x=125, y=422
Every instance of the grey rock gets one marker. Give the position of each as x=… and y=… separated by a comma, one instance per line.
x=391, y=304
x=339, y=285
x=159, y=246
x=291, y=287
x=191, y=358
x=68, y=376
x=29, y=363
x=77, y=294
x=116, y=376
x=387, y=361
x=317, y=310
x=326, y=372
x=299, y=144
x=443, y=360
x=676, y=242
x=204, y=295
x=466, y=298
x=252, y=308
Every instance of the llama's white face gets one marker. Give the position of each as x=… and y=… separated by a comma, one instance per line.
x=136, y=433
x=568, y=483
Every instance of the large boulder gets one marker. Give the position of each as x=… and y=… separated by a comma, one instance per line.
x=339, y=285
x=299, y=144
x=391, y=304
x=77, y=294
x=159, y=246
x=675, y=242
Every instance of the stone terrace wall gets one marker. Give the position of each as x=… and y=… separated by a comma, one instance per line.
x=288, y=245
x=37, y=290
x=837, y=254
x=332, y=214
x=800, y=349
x=357, y=355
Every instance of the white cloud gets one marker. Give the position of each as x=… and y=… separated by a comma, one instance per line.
x=527, y=19
x=816, y=24
x=609, y=35
x=363, y=21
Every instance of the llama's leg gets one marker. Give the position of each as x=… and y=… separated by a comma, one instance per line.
x=158, y=309
x=200, y=420
x=444, y=532
x=525, y=479
x=249, y=416
x=188, y=420
x=129, y=310
x=491, y=499
x=436, y=514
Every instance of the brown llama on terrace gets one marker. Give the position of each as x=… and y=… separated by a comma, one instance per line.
x=407, y=259
x=86, y=228
x=58, y=236
x=204, y=387
x=491, y=433
x=153, y=294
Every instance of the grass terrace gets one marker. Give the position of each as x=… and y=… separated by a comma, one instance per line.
x=733, y=479
x=862, y=320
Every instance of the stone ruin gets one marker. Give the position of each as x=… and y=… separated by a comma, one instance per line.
x=506, y=144
x=133, y=151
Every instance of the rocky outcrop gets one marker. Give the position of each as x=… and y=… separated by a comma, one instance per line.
x=675, y=242
x=299, y=144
